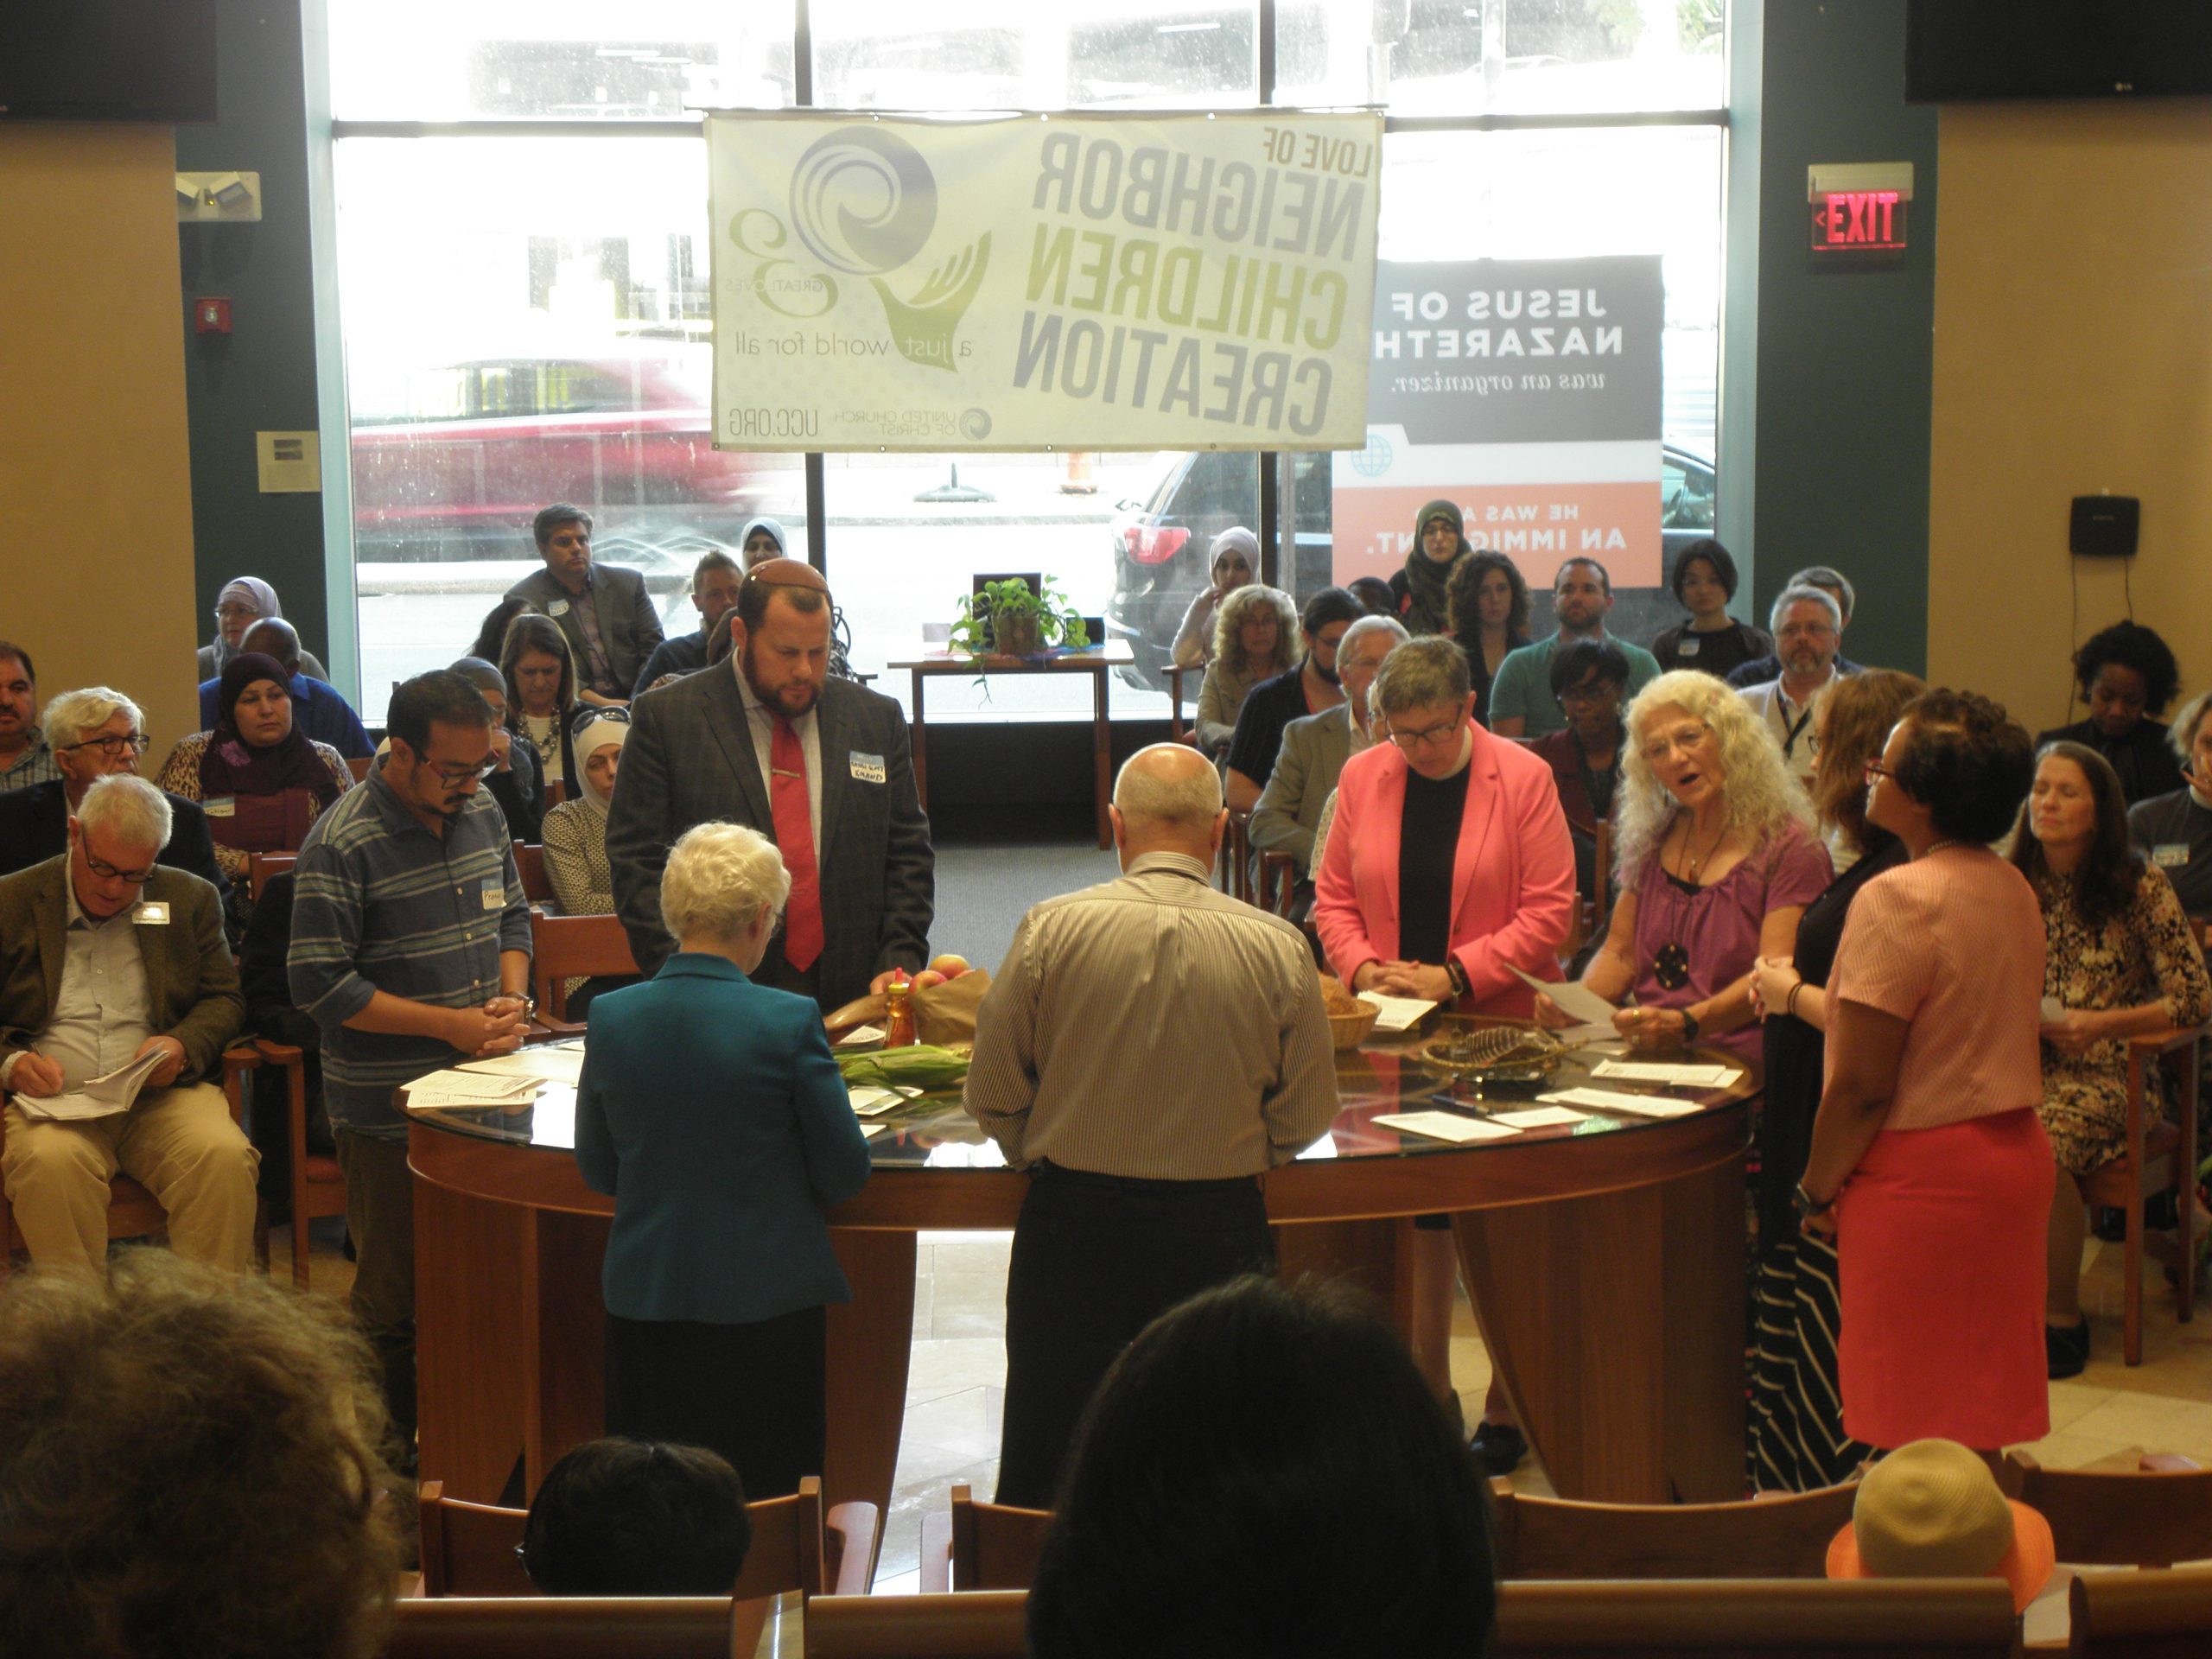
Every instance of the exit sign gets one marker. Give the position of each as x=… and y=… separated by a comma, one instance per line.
x=1859, y=221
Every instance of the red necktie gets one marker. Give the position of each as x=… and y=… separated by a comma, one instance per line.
x=794, y=813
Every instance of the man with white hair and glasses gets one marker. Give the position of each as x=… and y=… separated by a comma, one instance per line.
x=95, y=733
x=1807, y=626
x=105, y=956
x=1144, y=1121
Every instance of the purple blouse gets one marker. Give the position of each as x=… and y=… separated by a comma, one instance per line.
x=1719, y=925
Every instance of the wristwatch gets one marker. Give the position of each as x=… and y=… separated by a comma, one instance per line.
x=1456, y=975
x=1689, y=1027
x=1808, y=1205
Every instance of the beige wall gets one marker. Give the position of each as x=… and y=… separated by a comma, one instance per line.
x=96, y=575
x=2073, y=354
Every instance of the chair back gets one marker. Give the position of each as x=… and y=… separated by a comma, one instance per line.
x=2142, y=1615
x=1769, y=1538
x=1791, y=1618
x=557, y=794
x=995, y=1546
x=529, y=865
x=1278, y=884
x=988, y=1624
x=264, y=867
x=562, y=946
x=359, y=765
x=566, y=1627
x=1233, y=872
x=2108, y=1518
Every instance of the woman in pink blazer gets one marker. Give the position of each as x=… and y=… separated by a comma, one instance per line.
x=1449, y=858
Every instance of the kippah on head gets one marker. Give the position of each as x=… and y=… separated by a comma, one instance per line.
x=788, y=573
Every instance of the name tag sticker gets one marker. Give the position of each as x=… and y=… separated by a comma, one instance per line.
x=495, y=892
x=152, y=914
x=866, y=768
x=2170, y=855
x=558, y=607
x=1687, y=646
x=220, y=806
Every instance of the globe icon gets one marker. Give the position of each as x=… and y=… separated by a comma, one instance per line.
x=1373, y=460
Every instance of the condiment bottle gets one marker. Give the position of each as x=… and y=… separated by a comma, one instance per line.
x=899, y=1011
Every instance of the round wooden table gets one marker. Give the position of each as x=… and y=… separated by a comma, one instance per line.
x=1605, y=1260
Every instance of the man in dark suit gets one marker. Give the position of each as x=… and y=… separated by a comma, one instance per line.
x=604, y=609
x=96, y=732
x=819, y=764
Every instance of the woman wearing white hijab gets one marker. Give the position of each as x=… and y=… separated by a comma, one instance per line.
x=576, y=838
x=243, y=601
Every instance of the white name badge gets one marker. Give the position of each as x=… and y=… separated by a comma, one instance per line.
x=1687, y=646
x=152, y=914
x=220, y=806
x=866, y=768
x=558, y=607
x=2170, y=855
x=495, y=892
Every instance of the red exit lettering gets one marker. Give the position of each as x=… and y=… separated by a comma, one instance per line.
x=1858, y=220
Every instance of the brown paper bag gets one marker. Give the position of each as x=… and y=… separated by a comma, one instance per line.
x=945, y=1014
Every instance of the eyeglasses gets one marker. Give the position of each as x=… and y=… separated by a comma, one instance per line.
x=1603, y=691
x=1876, y=769
x=1427, y=736
x=231, y=612
x=463, y=774
x=137, y=743
x=1684, y=738
x=100, y=867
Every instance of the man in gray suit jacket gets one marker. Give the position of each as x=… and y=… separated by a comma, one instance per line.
x=604, y=609
x=819, y=764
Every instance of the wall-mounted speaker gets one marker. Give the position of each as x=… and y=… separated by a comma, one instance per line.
x=2104, y=527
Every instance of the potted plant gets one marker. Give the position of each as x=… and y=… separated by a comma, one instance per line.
x=1007, y=619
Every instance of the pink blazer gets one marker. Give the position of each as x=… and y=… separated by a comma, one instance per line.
x=1512, y=878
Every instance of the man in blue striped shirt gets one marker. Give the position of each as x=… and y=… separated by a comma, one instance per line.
x=411, y=950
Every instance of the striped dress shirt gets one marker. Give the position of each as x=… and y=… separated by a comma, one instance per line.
x=381, y=903
x=1156, y=1029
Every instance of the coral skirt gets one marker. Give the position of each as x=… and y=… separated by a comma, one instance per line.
x=1941, y=1234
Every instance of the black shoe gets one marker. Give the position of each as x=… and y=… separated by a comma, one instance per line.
x=1499, y=1448
x=2066, y=1348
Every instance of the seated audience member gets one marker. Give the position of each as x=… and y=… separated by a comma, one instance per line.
x=2127, y=676
x=1932, y=1509
x=1488, y=605
x=1255, y=639
x=318, y=709
x=190, y=1460
x=1375, y=594
x=1264, y=1475
x=492, y=638
x=260, y=779
x=714, y=590
x=2174, y=831
x=1808, y=626
x=576, y=843
x=1712, y=641
x=1314, y=750
x=1520, y=702
x=105, y=956
x=242, y=603
x=95, y=731
x=1716, y=857
x=603, y=611
x=541, y=680
x=1234, y=558
x=1837, y=586
x=2119, y=956
x=761, y=539
x=1310, y=688
x=513, y=780
x=712, y=1110
x=1589, y=678
x=1439, y=542
x=623, y=1517
x=25, y=756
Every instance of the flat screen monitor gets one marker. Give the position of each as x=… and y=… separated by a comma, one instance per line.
x=1963, y=50
x=107, y=61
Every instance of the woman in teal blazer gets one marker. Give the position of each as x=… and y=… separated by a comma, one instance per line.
x=712, y=1110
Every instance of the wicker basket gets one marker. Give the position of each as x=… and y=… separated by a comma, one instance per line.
x=1350, y=1030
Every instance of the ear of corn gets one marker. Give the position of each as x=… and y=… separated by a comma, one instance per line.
x=919, y=1065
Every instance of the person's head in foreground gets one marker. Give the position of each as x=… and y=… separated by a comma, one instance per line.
x=1931, y=1510
x=622, y=1517
x=1264, y=1473
x=188, y=1464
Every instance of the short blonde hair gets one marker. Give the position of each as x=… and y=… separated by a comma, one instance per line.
x=718, y=877
x=1420, y=674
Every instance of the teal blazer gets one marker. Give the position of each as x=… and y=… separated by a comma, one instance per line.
x=712, y=1110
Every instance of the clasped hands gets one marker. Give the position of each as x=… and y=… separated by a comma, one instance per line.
x=495, y=1028
x=1773, y=980
x=1428, y=983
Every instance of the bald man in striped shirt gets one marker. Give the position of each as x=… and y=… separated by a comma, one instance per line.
x=1149, y=1048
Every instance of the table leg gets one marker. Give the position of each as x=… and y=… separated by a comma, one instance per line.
x=868, y=1341
x=919, y=740
x=1102, y=751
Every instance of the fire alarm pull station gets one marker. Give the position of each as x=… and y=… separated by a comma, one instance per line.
x=211, y=317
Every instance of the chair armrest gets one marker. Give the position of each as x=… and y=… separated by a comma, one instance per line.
x=276, y=1053
x=2168, y=1463
x=238, y=1059
x=851, y=1540
x=2153, y=1044
x=937, y=1552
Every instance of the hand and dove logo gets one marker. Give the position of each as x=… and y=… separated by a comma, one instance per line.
x=863, y=203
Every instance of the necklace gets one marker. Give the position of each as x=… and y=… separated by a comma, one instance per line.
x=1670, y=964
x=1935, y=846
x=1693, y=864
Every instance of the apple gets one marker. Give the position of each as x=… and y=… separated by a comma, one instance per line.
x=949, y=966
x=927, y=978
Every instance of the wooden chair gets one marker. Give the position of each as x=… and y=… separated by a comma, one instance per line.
x=1788, y=1619
x=1783, y=1537
x=556, y=793
x=2142, y=1615
x=2161, y=1157
x=1234, y=873
x=359, y=765
x=529, y=865
x=986, y=1625
x=573, y=1627
x=318, y=1183
x=264, y=867
x=133, y=1212
x=2154, y=1516
x=980, y=1546
x=1175, y=671
x=563, y=946
x=1278, y=883
x=468, y=1549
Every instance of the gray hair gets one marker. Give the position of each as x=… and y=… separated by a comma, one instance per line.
x=718, y=877
x=1803, y=593
x=2182, y=732
x=72, y=714
x=1760, y=793
x=1827, y=576
x=1420, y=674
x=129, y=808
x=1368, y=624
x=1191, y=803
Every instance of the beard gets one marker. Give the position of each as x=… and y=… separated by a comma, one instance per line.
x=779, y=700
x=1330, y=676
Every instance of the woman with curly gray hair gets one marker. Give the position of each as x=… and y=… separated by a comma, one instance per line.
x=1717, y=859
x=1255, y=637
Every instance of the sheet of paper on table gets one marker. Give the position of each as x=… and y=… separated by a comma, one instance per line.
x=1690, y=1077
x=100, y=1097
x=868, y=1103
x=1444, y=1126
x=1606, y=1099
x=1578, y=1003
x=549, y=1064
x=1538, y=1117
x=486, y=1086
x=2053, y=1011
x=1396, y=1013
x=860, y=1034
x=420, y=1099
x=869, y=1131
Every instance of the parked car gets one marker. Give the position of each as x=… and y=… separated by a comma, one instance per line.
x=1163, y=543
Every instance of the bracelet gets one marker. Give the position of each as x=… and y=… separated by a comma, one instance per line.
x=1457, y=975
x=1789, y=1002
